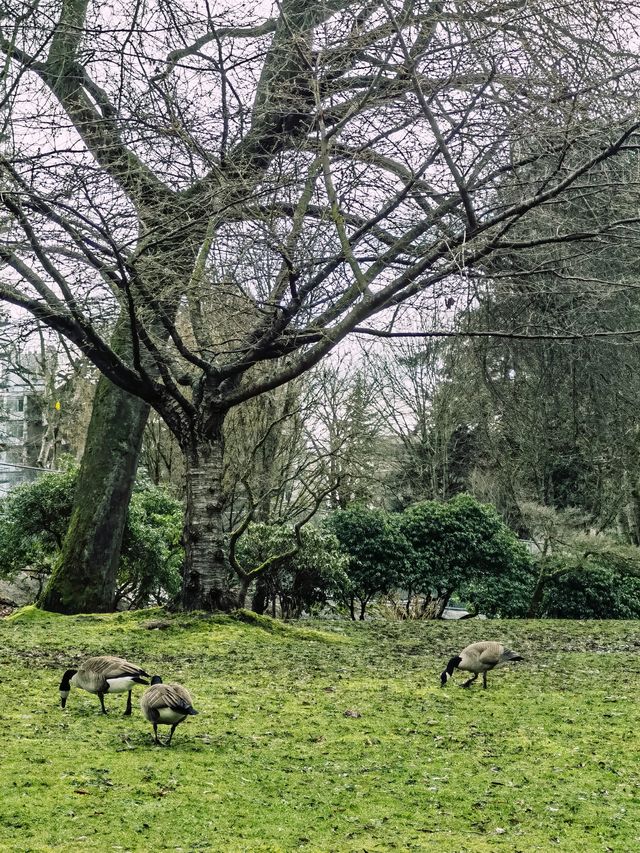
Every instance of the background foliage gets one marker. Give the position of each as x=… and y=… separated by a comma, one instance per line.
x=34, y=519
x=296, y=576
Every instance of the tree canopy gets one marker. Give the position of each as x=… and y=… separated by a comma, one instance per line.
x=248, y=189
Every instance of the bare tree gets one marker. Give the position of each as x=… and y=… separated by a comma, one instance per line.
x=295, y=175
x=346, y=431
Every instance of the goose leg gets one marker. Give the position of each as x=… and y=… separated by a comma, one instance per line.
x=101, y=698
x=484, y=680
x=470, y=681
x=127, y=711
x=173, y=728
x=155, y=734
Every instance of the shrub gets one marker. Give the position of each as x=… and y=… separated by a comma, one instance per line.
x=34, y=518
x=463, y=546
x=151, y=560
x=33, y=521
x=588, y=577
x=594, y=593
x=295, y=575
x=378, y=553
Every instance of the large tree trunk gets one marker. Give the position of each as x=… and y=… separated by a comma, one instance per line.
x=260, y=596
x=84, y=579
x=208, y=577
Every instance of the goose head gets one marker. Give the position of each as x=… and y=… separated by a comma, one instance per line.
x=65, y=685
x=448, y=672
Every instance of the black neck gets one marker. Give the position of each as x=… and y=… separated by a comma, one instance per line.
x=453, y=663
x=65, y=684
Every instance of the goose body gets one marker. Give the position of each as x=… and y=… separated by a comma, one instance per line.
x=166, y=704
x=101, y=675
x=479, y=658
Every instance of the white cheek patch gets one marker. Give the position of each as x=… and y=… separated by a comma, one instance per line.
x=64, y=694
x=119, y=685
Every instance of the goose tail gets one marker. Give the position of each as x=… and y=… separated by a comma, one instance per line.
x=508, y=655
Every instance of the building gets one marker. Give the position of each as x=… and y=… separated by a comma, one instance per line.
x=21, y=427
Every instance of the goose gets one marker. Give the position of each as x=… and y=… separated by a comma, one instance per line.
x=166, y=704
x=479, y=658
x=104, y=674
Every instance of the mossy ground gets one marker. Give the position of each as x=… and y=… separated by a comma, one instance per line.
x=546, y=759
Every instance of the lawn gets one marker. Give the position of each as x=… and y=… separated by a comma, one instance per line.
x=323, y=736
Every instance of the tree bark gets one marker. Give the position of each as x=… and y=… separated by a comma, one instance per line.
x=260, y=597
x=207, y=578
x=434, y=606
x=537, y=596
x=84, y=579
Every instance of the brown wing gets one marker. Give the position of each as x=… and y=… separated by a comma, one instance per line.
x=109, y=666
x=173, y=696
x=487, y=653
x=90, y=681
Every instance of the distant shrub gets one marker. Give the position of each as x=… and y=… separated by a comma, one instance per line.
x=34, y=518
x=378, y=553
x=593, y=592
x=294, y=576
x=463, y=547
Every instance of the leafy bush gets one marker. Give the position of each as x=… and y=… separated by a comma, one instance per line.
x=33, y=521
x=581, y=574
x=507, y=596
x=588, y=577
x=379, y=555
x=34, y=518
x=591, y=593
x=295, y=575
x=152, y=554
x=463, y=546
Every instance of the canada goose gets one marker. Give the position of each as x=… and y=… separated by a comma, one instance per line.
x=105, y=674
x=166, y=704
x=479, y=658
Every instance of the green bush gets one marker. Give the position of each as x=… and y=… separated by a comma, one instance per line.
x=33, y=521
x=464, y=547
x=293, y=576
x=34, y=518
x=150, y=567
x=588, y=592
x=378, y=553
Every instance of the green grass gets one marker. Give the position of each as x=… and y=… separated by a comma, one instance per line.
x=546, y=759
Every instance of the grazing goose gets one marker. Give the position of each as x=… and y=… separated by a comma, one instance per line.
x=105, y=674
x=479, y=658
x=166, y=704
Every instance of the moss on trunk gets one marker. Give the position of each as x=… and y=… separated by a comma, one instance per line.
x=84, y=579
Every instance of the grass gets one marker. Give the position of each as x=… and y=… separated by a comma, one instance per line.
x=545, y=759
